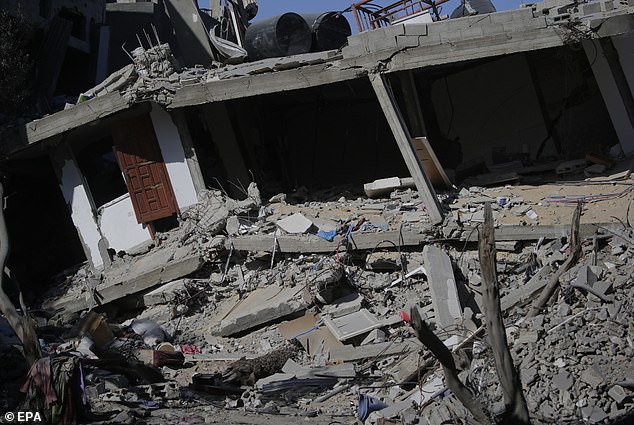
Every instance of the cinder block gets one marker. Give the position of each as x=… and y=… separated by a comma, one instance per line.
x=519, y=26
x=511, y=15
x=451, y=36
x=472, y=32
x=360, y=39
x=386, y=43
x=479, y=20
x=408, y=41
x=353, y=51
x=416, y=29
x=493, y=29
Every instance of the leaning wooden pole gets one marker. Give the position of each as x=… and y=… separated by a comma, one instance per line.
x=516, y=409
x=553, y=283
x=21, y=325
x=444, y=356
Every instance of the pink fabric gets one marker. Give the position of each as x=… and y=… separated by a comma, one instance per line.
x=40, y=376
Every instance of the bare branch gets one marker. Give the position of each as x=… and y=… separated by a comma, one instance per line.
x=444, y=356
x=516, y=410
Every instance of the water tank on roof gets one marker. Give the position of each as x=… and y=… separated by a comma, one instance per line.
x=471, y=7
x=282, y=35
x=330, y=30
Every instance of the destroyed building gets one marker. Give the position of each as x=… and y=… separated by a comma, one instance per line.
x=260, y=188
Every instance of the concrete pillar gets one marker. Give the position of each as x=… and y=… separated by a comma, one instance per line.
x=171, y=146
x=191, y=157
x=220, y=126
x=77, y=198
x=612, y=83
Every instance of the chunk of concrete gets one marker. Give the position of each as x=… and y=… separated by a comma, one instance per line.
x=563, y=381
x=385, y=186
x=295, y=224
x=593, y=377
x=343, y=306
x=164, y=294
x=262, y=306
x=442, y=285
x=351, y=325
x=617, y=393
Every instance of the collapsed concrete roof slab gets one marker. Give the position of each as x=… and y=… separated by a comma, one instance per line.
x=81, y=114
x=386, y=50
x=145, y=273
x=259, y=84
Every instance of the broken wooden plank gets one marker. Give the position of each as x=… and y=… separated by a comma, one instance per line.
x=315, y=244
x=431, y=164
x=509, y=377
x=444, y=356
x=404, y=141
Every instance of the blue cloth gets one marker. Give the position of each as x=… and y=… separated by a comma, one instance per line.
x=329, y=236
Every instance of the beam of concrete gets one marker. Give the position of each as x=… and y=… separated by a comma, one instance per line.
x=220, y=126
x=148, y=272
x=83, y=113
x=315, y=244
x=549, y=231
x=259, y=84
x=442, y=286
x=404, y=141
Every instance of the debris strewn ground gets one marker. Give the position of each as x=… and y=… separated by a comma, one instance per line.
x=268, y=334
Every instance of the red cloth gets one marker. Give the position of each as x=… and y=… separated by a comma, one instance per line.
x=40, y=376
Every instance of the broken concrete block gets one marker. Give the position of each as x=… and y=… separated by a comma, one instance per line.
x=351, y=325
x=164, y=294
x=442, y=285
x=315, y=341
x=406, y=368
x=233, y=225
x=375, y=336
x=593, y=414
x=295, y=224
x=385, y=186
x=261, y=306
x=563, y=381
x=343, y=306
x=617, y=393
x=526, y=291
x=593, y=377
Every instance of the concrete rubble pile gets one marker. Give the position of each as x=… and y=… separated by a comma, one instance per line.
x=327, y=334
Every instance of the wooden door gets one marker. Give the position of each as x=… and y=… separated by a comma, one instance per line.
x=144, y=171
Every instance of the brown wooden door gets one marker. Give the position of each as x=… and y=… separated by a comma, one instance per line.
x=144, y=171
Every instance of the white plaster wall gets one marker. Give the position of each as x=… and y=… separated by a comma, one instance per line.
x=611, y=95
x=174, y=156
x=118, y=224
x=81, y=210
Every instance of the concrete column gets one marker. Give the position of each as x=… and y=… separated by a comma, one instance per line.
x=178, y=116
x=615, y=89
x=218, y=120
x=404, y=142
x=79, y=203
x=171, y=146
x=624, y=45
